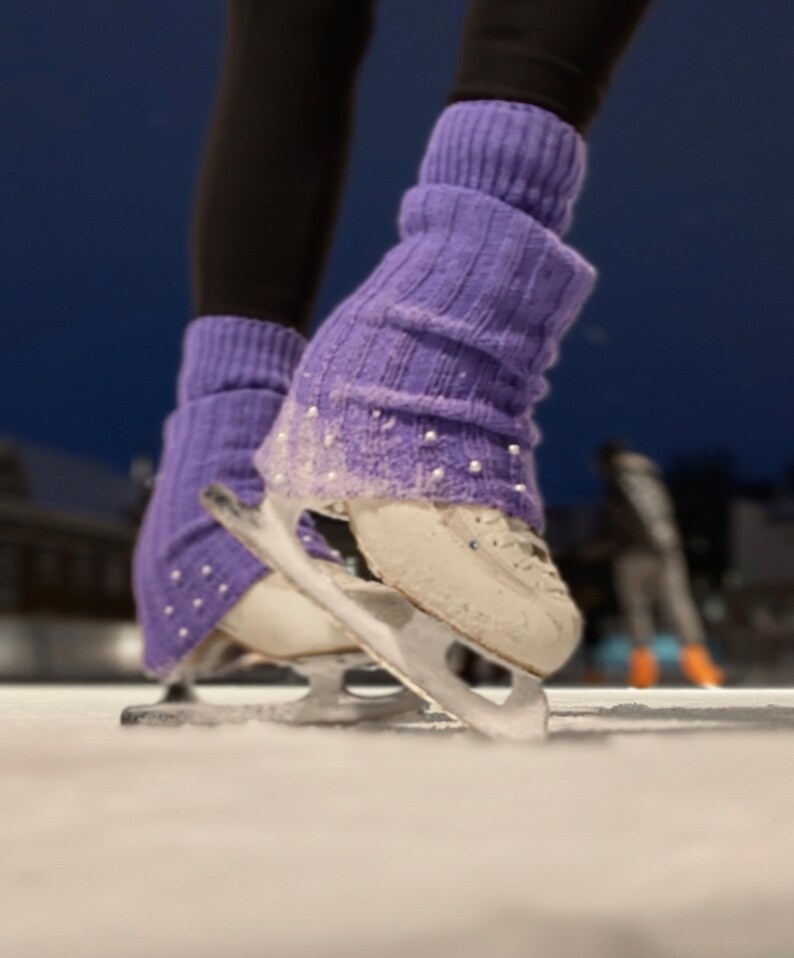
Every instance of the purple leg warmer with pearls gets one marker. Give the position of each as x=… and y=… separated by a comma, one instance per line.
x=421, y=385
x=188, y=571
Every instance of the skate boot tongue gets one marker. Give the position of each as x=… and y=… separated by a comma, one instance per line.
x=525, y=548
x=519, y=534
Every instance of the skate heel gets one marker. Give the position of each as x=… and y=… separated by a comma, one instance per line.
x=178, y=701
x=407, y=642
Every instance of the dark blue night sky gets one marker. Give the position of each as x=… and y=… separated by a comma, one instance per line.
x=688, y=213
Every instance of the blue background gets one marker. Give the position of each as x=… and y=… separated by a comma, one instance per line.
x=688, y=211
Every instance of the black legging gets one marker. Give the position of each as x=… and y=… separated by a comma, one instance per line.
x=277, y=148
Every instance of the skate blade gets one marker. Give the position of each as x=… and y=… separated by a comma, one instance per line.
x=326, y=702
x=407, y=642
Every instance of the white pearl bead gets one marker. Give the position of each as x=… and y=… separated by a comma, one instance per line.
x=376, y=413
x=328, y=441
x=431, y=435
x=282, y=437
x=279, y=477
x=176, y=575
x=169, y=610
x=437, y=473
x=183, y=633
x=475, y=467
x=197, y=603
x=514, y=449
x=520, y=487
x=206, y=570
x=306, y=538
x=312, y=412
x=332, y=476
x=223, y=588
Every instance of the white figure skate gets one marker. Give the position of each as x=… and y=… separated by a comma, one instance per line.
x=274, y=623
x=411, y=644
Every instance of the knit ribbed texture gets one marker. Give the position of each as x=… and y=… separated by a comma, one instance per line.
x=225, y=353
x=514, y=152
x=421, y=385
x=188, y=571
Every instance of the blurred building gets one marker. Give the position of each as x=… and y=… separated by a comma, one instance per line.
x=759, y=593
x=762, y=536
x=67, y=528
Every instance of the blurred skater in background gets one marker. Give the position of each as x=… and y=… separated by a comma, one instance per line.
x=649, y=566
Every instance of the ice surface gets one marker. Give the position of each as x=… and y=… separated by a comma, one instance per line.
x=269, y=841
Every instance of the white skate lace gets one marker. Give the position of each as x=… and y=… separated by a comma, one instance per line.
x=530, y=551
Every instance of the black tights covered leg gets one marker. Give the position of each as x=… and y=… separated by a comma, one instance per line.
x=275, y=157
x=556, y=54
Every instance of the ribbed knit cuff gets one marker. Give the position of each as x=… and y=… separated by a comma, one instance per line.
x=226, y=353
x=515, y=152
x=422, y=385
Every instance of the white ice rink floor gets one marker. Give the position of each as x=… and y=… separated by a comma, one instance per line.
x=615, y=839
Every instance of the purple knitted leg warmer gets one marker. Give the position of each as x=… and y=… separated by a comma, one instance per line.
x=422, y=384
x=188, y=571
